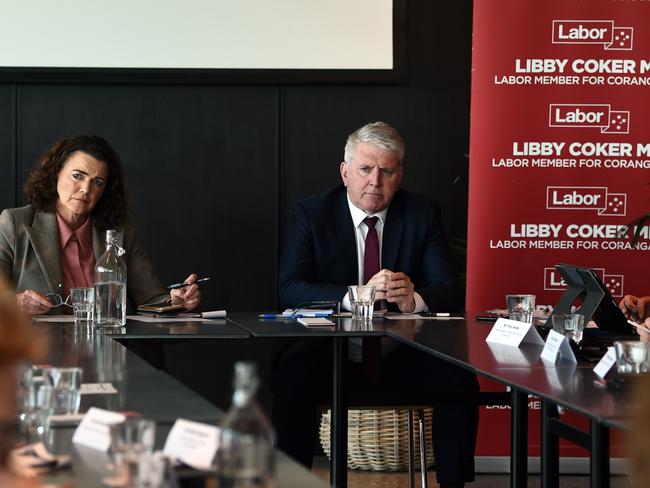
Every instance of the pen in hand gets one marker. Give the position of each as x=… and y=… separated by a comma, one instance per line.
x=183, y=285
x=638, y=326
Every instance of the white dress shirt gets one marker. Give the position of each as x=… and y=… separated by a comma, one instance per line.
x=360, y=233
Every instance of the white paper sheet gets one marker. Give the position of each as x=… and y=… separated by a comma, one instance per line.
x=417, y=316
x=53, y=318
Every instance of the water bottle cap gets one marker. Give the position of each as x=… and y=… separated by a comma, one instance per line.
x=115, y=237
x=112, y=235
x=246, y=375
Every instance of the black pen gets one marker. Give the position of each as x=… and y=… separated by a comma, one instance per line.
x=183, y=285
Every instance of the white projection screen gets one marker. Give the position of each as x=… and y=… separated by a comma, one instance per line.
x=77, y=37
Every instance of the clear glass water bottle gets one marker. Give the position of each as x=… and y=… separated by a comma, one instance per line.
x=110, y=284
x=245, y=458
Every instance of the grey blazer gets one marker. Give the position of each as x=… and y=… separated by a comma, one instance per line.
x=30, y=255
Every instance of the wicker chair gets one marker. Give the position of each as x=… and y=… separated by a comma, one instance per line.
x=379, y=440
x=376, y=431
x=381, y=433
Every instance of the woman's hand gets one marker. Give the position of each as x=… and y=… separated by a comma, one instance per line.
x=31, y=302
x=188, y=296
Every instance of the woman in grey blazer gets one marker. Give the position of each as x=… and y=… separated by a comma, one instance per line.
x=78, y=188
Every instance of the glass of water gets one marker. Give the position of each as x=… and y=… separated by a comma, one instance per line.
x=362, y=300
x=131, y=441
x=27, y=375
x=83, y=304
x=66, y=383
x=520, y=307
x=571, y=325
x=631, y=356
x=37, y=406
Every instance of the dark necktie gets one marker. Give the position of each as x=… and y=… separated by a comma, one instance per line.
x=371, y=254
x=371, y=346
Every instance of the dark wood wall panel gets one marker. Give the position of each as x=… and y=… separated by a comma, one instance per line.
x=317, y=122
x=201, y=164
x=7, y=154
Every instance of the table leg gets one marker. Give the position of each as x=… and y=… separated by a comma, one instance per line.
x=599, y=455
x=339, y=425
x=550, y=451
x=519, y=440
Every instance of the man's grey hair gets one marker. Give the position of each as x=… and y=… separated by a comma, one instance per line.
x=378, y=134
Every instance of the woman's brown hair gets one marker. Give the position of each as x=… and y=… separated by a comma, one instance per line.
x=40, y=188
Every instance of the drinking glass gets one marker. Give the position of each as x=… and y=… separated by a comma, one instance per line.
x=67, y=388
x=83, y=304
x=570, y=325
x=26, y=375
x=37, y=406
x=362, y=300
x=130, y=440
x=631, y=356
x=520, y=307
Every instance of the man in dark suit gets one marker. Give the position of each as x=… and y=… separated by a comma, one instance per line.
x=331, y=243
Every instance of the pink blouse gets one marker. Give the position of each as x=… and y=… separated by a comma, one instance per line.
x=77, y=257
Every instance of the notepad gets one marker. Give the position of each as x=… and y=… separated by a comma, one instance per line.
x=315, y=322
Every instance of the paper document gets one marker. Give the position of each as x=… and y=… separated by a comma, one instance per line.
x=307, y=312
x=417, y=316
x=158, y=320
x=181, y=317
x=98, y=389
x=53, y=318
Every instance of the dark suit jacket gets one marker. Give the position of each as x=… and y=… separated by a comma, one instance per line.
x=319, y=257
x=30, y=255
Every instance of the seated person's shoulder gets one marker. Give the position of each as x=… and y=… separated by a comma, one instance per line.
x=414, y=203
x=19, y=215
x=323, y=197
x=322, y=202
x=128, y=223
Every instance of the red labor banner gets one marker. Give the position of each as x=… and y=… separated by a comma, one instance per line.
x=559, y=152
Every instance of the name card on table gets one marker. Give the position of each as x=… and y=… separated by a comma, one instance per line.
x=193, y=443
x=605, y=363
x=557, y=346
x=513, y=333
x=93, y=431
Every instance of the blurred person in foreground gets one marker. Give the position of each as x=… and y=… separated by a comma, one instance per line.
x=76, y=192
x=638, y=436
x=18, y=343
x=637, y=309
